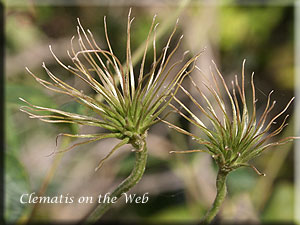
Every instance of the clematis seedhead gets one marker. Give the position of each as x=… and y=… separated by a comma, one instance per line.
x=234, y=136
x=130, y=102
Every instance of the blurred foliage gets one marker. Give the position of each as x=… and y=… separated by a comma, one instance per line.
x=179, y=214
x=280, y=208
x=242, y=180
x=242, y=26
x=262, y=34
x=20, y=34
x=17, y=183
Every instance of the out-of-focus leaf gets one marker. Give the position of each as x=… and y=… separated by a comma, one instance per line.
x=239, y=26
x=282, y=65
x=14, y=127
x=16, y=183
x=11, y=135
x=33, y=94
x=241, y=180
x=126, y=165
x=21, y=26
x=281, y=205
x=174, y=214
x=75, y=107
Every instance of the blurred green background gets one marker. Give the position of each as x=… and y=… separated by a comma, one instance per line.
x=181, y=188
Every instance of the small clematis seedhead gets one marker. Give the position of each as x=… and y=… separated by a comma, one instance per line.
x=235, y=136
x=131, y=102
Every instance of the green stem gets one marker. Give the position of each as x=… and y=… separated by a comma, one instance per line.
x=221, y=194
x=126, y=185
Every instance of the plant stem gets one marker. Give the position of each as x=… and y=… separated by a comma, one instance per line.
x=221, y=194
x=134, y=177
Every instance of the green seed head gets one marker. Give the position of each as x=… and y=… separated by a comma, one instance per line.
x=234, y=135
x=129, y=103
